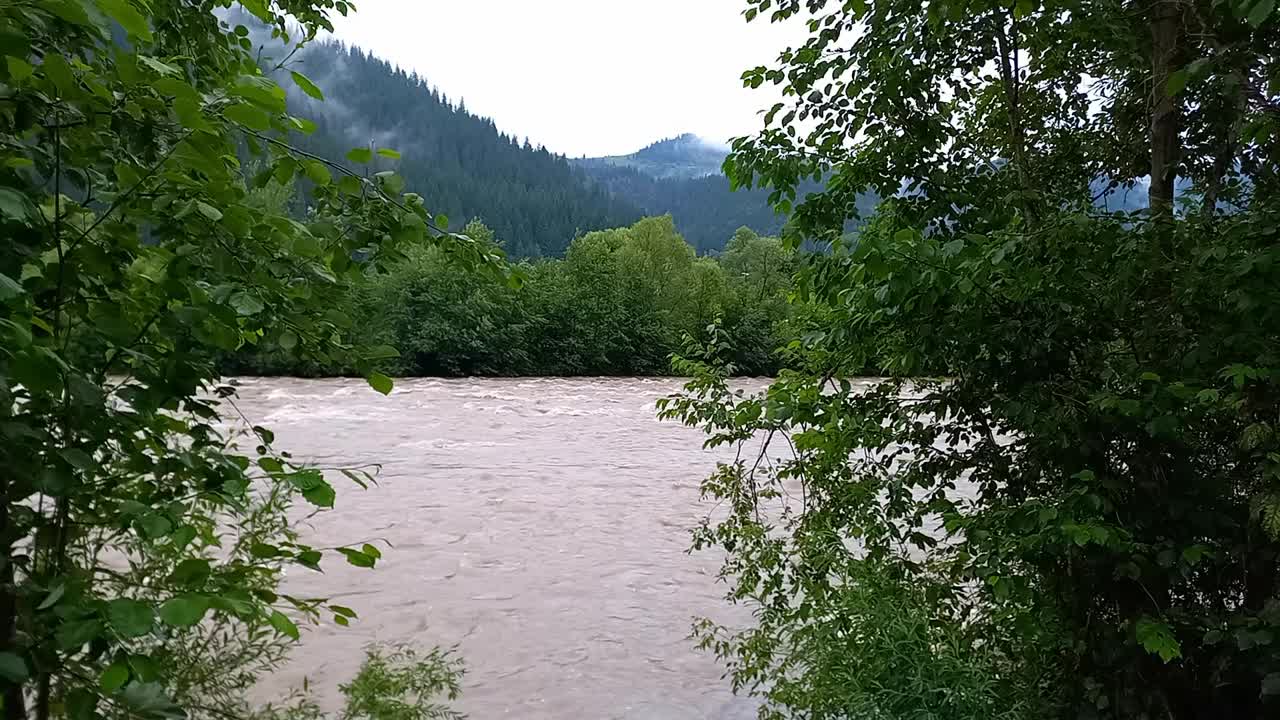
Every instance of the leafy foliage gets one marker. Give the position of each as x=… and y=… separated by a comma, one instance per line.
x=1072, y=463
x=617, y=304
x=134, y=523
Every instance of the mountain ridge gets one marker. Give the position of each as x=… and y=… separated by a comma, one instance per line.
x=683, y=157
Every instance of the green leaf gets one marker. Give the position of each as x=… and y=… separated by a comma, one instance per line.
x=53, y=597
x=321, y=495
x=248, y=116
x=1157, y=638
x=284, y=625
x=184, y=610
x=76, y=634
x=350, y=185
x=288, y=340
x=209, y=211
x=9, y=288
x=392, y=183
x=150, y=702
x=246, y=304
x=304, y=126
x=317, y=172
x=78, y=459
x=114, y=677
x=192, y=571
x=1271, y=684
x=129, y=18
x=310, y=558
x=357, y=558
x=14, y=204
x=130, y=618
x=161, y=68
x=19, y=69
x=389, y=153
x=381, y=352
x=260, y=91
x=154, y=525
x=360, y=155
x=13, y=668
x=1260, y=12
x=306, y=245
x=1176, y=83
x=308, y=87
x=81, y=704
x=381, y=383
x=315, y=489
x=953, y=248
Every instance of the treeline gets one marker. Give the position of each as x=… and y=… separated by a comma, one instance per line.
x=619, y=303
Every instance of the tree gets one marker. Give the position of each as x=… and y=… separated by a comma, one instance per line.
x=1086, y=500
x=134, y=255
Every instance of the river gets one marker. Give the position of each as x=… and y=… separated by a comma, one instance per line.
x=541, y=525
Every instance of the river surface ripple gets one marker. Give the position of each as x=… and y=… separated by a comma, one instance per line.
x=541, y=525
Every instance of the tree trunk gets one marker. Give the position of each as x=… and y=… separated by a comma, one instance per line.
x=1164, y=111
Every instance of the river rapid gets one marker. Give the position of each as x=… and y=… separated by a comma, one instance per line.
x=541, y=525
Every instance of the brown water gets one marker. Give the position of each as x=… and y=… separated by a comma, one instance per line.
x=539, y=524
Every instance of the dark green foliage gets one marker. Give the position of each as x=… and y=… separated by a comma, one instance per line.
x=1084, y=504
x=142, y=538
x=617, y=304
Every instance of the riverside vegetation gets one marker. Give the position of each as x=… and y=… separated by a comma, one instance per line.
x=618, y=303
x=142, y=545
x=1081, y=521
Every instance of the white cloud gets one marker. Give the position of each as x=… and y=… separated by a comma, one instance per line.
x=583, y=77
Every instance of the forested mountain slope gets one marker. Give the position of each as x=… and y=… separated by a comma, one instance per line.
x=682, y=176
x=534, y=200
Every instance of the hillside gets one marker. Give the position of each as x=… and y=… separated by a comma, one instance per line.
x=534, y=200
x=682, y=176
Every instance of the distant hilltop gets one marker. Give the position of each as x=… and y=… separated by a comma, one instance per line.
x=684, y=157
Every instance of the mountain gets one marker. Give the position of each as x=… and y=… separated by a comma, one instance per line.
x=679, y=158
x=535, y=201
x=682, y=176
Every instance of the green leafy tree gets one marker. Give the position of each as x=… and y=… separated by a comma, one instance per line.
x=135, y=254
x=1086, y=500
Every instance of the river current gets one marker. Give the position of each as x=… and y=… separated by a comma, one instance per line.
x=540, y=525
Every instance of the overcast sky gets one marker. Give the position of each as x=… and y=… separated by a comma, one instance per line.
x=583, y=77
